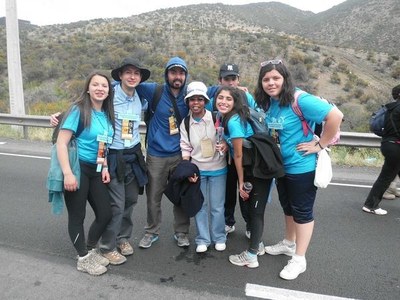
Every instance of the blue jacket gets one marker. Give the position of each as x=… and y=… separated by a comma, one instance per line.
x=160, y=142
x=55, y=177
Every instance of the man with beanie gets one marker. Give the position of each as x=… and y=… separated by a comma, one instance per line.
x=163, y=149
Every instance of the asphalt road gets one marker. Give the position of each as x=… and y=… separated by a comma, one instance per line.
x=352, y=254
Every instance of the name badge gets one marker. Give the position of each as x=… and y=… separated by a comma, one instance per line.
x=275, y=125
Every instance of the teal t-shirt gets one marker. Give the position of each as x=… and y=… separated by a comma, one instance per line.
x=237, y=129
x=88, y=144
x=290, y=130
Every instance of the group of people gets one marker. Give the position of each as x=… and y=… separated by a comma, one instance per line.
x=205, y=127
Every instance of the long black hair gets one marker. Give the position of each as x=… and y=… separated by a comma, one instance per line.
x=286, y=96
x=238, y=108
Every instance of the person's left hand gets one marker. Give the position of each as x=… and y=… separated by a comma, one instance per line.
x=309, y=147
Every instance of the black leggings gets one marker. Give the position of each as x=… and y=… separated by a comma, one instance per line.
x=257, y=202
x=96, y=192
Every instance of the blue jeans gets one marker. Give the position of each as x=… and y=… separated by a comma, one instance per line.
x=210, y=220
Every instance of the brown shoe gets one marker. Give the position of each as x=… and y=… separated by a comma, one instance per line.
x=125, y=248
x=114, y=257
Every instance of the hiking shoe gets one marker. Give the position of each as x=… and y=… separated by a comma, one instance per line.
x=393, y=189
x=181, y=239
x=220, y=246
x=248, y=234
x=148, y=240
x=229, y=229
x=125, y=248
x=261, y=249
x=114, y=257
x=100, y=259
x=293, y=269
x=377, y=211
x=88, y=264
x=281, y=248
x=388, y=195
x=244, y=259
x=201, y=248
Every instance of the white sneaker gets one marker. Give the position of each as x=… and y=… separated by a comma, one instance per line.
x=229, y=229
x=220, y=246
x=393, y=190
x=261, y=249
x=100, y=259
x=201, y=248
x=244, y=259
x=377, y=211
x=293, y=269
x=281, y=248
x=88, y=264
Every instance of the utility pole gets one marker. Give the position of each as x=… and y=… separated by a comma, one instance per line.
x=17, y=106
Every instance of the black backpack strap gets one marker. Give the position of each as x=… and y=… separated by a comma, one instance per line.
x=156, y=97
x=152, y=109
x=187, y=127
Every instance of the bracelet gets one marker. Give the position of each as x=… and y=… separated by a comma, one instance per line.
x=317, y=143
x=105, y=168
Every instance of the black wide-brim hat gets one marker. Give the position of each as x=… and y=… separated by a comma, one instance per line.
x=130, y=62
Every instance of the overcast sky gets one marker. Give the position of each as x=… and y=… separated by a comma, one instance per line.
x=46, y=12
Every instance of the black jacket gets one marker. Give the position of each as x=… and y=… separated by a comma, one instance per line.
x=263, y=159
x=183, y=193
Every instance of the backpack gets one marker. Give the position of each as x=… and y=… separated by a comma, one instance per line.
x=319, y=128
x=257, y=121
x=56, y=129
x=378, y=119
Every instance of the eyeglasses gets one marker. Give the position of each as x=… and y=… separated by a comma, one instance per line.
x=271, y=62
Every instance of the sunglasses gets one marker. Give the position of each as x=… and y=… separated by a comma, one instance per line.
x=271, y=62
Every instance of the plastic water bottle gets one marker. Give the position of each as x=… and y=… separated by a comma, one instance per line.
x=247, y=187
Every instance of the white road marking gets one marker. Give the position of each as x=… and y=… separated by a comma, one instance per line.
x=23, y=155
x=271, y=293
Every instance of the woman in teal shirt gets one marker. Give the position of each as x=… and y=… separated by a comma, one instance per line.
x=93, y=111
x=237, y=129
x=275, y=93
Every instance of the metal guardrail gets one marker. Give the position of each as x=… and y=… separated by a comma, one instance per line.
x=348, y=139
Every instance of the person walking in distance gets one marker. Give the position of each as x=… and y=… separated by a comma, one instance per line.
x=390, y=148
x=163, y=149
